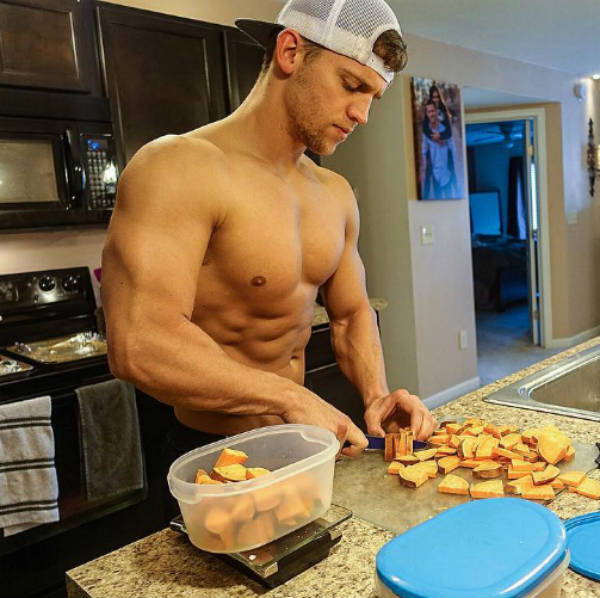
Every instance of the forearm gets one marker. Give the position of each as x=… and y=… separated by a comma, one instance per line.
x=176, y=362
x=358, y=351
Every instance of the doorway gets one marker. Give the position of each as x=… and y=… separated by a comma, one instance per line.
x=508, y=213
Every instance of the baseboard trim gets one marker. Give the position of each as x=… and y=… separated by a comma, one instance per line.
x=449, y=394
x=581, y=337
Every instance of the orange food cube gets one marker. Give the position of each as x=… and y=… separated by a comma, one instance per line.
x=230, y=457
x=453, y=484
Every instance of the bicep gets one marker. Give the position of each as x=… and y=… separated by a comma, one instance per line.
x=156, y=243
x=345, y=292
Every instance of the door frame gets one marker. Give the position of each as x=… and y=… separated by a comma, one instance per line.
x=544, y=275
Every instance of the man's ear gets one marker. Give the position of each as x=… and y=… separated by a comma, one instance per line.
x=287, y=51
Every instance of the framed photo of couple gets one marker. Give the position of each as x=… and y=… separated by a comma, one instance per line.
x=437, y=118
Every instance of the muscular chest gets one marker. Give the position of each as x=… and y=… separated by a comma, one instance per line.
x=277, y=236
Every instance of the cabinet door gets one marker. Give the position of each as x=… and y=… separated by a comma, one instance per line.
x=244, y=61
x=163, y=74
x=49, y=44
x=330, y=384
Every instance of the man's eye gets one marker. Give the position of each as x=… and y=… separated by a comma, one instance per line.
x=350, y=87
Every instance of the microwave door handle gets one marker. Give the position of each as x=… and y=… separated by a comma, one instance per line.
x=75, y=173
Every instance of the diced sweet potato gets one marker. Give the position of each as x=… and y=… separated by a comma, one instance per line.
x=217, y=520
x=408, y=459
x=412, y=478
x=520, y=465
x=395, y=467
x=543, y=492
x=557, y=484
x=389, y=449
x=404, y=443
x=429, y=467
x=572, y=478
x=243, y=508
x=230, y=457
x=445, y=450
x=488, y=469
x=546, y=476
x=511, y=474
x=505, y=430
x=291, y=506
x=467, y=447
x=485, y=447
x=425, y=454
x=529, y=435
x=552, y=447
x=453, y=484
x=517, y=486
x=502, y=452
x=469, y=463
x=589, y=487
x=510, y=440
x=206, y=479
x=448, y=464
x=231, y=473
x=255, y=472
x=452, y=428
x=267, y=498
x=473, y=430
x=493, y=430
x=489, y=489
x=439, y=439
x=570, y=454
x=454, y=441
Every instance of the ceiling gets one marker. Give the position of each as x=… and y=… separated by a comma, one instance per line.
x=558, y=34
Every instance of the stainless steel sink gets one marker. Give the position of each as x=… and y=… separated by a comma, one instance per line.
x=570, y=387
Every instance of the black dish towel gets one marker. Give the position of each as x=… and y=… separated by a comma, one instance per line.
x=110, y=439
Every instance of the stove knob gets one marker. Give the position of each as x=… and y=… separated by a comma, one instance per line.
x=46, y=283
x=70, y=283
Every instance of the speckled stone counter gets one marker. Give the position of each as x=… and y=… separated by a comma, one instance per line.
x=165, y=564
x=321, y=316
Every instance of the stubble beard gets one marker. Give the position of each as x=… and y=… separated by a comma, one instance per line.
x=303, y=107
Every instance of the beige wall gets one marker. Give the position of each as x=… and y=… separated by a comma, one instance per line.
x=440, y=275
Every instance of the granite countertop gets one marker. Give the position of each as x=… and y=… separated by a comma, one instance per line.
x=166, y=564
x=321, y=316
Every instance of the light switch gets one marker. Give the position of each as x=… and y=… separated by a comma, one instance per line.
x=572, y=217
x=463, y=340
x=427, y=236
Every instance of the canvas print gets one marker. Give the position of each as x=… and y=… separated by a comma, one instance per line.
x=437, y=118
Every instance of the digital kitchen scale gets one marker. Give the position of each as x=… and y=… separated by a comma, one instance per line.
x=282, y=559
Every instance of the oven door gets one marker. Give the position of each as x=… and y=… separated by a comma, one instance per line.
x=75, y=509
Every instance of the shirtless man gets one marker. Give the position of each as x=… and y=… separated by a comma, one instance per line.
x=223, y=236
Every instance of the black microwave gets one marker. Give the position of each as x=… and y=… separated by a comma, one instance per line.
x=55, y=173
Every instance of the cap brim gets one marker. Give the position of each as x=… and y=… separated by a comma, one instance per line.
x=259, y=31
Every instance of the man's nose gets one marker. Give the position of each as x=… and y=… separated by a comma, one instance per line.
x=359, y=111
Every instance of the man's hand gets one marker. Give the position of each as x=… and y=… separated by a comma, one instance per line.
x=397, y=410
x=315, y=411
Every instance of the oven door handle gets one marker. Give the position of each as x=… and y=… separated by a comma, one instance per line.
x=75, y=174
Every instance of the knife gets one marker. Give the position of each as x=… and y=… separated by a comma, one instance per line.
x=377, y=443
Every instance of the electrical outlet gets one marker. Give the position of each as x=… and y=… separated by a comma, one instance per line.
x=427, y=236
x=572, y=217
x=463, y=340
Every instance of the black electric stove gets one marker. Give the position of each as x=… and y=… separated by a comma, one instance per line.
x=48, y=334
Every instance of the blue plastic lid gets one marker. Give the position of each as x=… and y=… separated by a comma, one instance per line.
x=500, y=547
x=583, y=538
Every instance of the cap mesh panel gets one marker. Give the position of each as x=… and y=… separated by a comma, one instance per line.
x=319, y=9
x=363, y=17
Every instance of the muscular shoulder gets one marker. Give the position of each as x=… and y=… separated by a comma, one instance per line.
x=335, y=182
x=174, y=171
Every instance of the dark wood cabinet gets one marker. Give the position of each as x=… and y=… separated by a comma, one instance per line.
x=324, y=377
x=163, y=74
x=48, y=44
x=243, y=63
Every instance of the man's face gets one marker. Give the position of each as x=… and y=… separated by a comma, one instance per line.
x=432, y=115
x=327, y=97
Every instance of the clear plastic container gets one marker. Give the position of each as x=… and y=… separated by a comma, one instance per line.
x=244, y=515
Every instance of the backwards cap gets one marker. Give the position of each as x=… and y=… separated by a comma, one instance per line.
x=348, y=27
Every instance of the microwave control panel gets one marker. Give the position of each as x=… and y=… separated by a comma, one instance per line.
x=101, y=171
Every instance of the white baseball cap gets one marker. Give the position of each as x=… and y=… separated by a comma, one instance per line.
x=348, y=27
